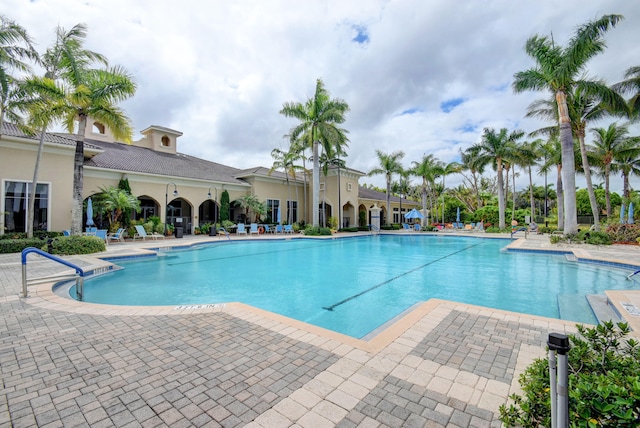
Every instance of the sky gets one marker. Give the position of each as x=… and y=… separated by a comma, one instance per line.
x=424, y=77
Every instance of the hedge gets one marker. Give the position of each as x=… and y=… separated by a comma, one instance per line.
x=65, y=245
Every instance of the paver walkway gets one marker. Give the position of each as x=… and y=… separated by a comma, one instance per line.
x=65, y=363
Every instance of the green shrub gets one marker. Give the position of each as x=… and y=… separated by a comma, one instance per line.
x=604, y=385
x=363, y=228
x=493, y=229
x=349, y=229
x=68, y=245
x=8, y=246
x=594, y=238
x=317, y=231
x=37, y=234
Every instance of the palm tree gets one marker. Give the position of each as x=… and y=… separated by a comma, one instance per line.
x=609, y=144
x=249, y=203
x=493, y=149
x=319, y=118
x=15, y=46
x=631, y=84
x=114, y=201
x=552, y=150
x=527, y=156
x=285, y=161
x=471, y=163
x=628, y=163
x=46, y=98
x=442, y=170
x=94, y=93
x=560, y=70
x=425, y=169
x=389, y=164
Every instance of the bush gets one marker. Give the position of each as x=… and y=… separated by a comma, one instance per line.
x=594, y=238
x=8, y=246
x=67, y=245
x=604, y=385
x=624, y=232
x=493, y=229
x=317, y=231
x=349, y=229
x=37, y=234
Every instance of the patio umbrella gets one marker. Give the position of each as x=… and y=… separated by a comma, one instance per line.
x=279, y=217
x=458, y=215
x=90, y=213
x=630, y=221
x=414, y=213
x=622, y=212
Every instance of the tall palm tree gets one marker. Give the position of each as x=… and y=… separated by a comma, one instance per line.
x=552, y=150
x=631, y=85
x=425, y=169
x=628, y=163
x=560, y=70
x=286, y=161
x=527, y=156
x=493, y=149
x=46, y=95
x=442, y=170
x=15, y=47
x=94, y=93
x=319, y=118
x=608, y=145
x=471, y=163
x=389, y=164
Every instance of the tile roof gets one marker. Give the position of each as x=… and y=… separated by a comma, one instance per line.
x=12, y=130
x=366, y=193
x=124, y=157
x=262, y=171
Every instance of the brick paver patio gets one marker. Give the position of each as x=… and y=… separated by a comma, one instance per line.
x=65, y=363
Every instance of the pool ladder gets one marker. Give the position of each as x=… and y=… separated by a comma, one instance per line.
x=225, y=232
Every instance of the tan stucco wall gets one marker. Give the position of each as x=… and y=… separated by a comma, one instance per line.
x=17, y=163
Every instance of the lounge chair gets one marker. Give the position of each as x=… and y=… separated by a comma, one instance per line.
x=267, y=229
x=254, y=229
x=118, y=236
x=91, y=231
x=141, y=233
x=66, y=233
x=288, y=228
x=241, y=229
x=417, y=227
x=279, y=229
x=405, y=227
x=102, y=234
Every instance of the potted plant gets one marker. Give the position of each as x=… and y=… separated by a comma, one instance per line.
x=170, y=229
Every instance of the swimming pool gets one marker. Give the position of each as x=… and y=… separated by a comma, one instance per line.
x=355, y=285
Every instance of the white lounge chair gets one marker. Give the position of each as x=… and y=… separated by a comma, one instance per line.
x=254, y=229
x=241, y=229
x=141, y=233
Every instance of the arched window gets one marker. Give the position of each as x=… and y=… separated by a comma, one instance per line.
x=166, y=141
x=98, y=128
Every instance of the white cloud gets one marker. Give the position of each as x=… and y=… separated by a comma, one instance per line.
x=220, y=71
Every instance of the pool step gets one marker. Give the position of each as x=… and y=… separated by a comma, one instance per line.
x=602, y=309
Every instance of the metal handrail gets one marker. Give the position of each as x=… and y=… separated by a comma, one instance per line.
x=225, y=232
x=79, y=271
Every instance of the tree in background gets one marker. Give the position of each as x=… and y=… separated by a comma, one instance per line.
x=319, y=119
x=561, y=70
x=389, y=164
x=224, y=206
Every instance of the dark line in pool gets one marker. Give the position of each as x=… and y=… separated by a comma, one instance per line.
x=330, y=308
x=252, y=254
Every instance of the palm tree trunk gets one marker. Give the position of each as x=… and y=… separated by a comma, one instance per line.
x=501, y=208
x=78, y=178
x=587, y=175
x=316, y=184
x=607, y=172
x=424, y=202
x=513, y=195
x=387, y=221
x=34, y=184
x=531, y=199
x=568, y=165
x=560, y=199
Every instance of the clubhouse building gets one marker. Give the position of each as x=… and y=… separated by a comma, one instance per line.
x=169, y=184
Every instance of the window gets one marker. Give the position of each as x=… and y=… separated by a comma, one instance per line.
x=166, y=141
x=98, y=128
x=273, y=209
x=321, y=186
x=16, y=200
x=348, y=187
x=292, y=211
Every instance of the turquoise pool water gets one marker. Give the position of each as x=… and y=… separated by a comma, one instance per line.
x=355, y=285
